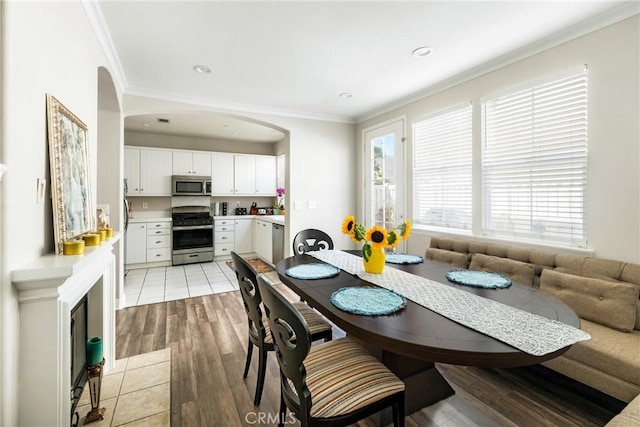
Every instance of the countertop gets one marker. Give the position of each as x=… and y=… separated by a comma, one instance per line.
x=149, y=219
x=275, y=219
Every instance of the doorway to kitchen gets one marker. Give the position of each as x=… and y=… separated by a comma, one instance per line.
x=384, y=201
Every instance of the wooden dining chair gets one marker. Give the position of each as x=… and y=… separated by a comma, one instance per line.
x=259, y=335
x=311, y=239
x=335, y=383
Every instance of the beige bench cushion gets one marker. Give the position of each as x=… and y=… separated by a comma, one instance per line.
x=610, y=351
x=607, y=303
x=518, y=272
x=450, y=257
x=630, y=415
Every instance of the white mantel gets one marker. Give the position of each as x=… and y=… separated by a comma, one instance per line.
x=48, y=289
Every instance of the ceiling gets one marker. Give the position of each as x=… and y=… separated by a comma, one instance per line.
x=296, y=58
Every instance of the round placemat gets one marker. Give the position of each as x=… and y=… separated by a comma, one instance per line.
x=312, y=271
x=479, y=279
x=403, y=259
x=368, y=301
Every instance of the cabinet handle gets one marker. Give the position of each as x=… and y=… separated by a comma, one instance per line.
x=158, y=232
x=224, y=249
x=158, y=241
x=224, y=238
x=158, y=225
x=158, y=255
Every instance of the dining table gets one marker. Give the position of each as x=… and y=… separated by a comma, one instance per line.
x=410, y=341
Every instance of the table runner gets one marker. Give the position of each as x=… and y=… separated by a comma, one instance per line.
x=525, y=331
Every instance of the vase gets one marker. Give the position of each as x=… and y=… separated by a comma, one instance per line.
x=375, y=264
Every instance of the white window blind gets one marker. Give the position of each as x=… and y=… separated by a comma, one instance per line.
x=534, y=161
x=442, y=146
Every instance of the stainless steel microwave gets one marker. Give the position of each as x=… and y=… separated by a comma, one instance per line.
x=185, y=185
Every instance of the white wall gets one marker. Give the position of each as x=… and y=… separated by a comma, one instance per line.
x=612, y=55
x=49, y=47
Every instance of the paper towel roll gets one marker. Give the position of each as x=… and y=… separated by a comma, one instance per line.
x=94, y=351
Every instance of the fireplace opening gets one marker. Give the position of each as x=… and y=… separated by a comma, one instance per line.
x=78, y=355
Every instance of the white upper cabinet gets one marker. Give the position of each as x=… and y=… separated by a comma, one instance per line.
x=132, y=170
x=243, y=175
x=222, y=174
x=266, y=175
x=191, y=163
x=148, y=171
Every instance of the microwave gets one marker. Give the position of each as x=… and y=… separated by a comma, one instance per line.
x=190, y=185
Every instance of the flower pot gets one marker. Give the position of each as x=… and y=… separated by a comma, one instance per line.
x=375, y=263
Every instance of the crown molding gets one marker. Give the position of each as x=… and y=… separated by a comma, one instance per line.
x=613, y=16
x=236, y=107
x=96, y=19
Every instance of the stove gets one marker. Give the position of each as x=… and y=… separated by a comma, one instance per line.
x=192, y=237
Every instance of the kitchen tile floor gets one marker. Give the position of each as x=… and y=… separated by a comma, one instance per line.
x=159, y=284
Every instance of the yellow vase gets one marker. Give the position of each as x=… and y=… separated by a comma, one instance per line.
x=375, y=264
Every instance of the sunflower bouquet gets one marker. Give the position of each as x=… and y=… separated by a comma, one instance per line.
x=376, y=237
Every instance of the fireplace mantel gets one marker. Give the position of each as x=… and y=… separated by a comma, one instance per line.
x=48, y=289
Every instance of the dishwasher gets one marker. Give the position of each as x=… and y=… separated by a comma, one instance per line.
x=277, y=243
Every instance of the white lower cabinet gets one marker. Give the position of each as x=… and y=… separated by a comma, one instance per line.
x=262, y=237
x=223, y=237
x=148, y=242
x=243, y=236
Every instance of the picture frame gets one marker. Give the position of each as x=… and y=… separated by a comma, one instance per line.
x=73, y=213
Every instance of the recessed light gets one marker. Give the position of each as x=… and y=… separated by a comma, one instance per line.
x=202, y=69
x=422, y=52
x=345, y=95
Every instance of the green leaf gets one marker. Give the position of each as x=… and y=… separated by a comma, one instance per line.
x=366, y=251
x=393, y=237
x=359, y=232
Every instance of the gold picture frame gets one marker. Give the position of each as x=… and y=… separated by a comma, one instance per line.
x=73, y=213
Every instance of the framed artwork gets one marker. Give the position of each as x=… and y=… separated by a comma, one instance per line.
x=73, y=214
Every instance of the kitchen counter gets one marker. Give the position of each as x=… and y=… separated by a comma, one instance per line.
x=149, y=219
x=275, y=219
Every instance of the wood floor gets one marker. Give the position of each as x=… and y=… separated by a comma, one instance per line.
x=208, y=338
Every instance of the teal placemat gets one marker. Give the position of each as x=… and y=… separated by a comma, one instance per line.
x=403, y=259
x=312, y=271
x=368, y=301
x=479, y=279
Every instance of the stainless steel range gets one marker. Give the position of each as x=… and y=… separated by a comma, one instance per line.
x=192, y=237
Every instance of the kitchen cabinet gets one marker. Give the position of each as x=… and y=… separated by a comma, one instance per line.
x=191, y=163
x=158, y=241
x=224, y=236
x=243, y=175
x=148, y=171
x=243, y=236
x=262, y=238
x=148, y=242
x=136, y=243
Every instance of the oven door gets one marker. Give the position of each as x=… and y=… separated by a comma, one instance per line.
x=192, y=239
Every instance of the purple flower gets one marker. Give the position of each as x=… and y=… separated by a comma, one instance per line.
x=280, y=191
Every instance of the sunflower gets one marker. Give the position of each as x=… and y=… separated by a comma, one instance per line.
x=405, y=230
x=349, y=226
x=377, y=236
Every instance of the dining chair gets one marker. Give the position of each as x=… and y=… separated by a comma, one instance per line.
x=259, y=335
x=334, y=383
x=311, y=239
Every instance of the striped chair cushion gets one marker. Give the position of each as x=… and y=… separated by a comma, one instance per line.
x=314, y=320
x=343, y=377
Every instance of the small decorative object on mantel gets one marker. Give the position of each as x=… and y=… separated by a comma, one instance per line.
x=73, y=247
x=73, y=213
x=376, y=239
x=95, y=363
x=91, y=239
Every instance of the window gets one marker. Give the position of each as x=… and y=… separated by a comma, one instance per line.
x=442, y=161
x=534, y=161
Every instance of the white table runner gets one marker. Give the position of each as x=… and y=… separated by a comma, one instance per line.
x=525, y=331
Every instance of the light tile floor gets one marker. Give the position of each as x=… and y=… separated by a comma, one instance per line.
x=136, y=392
x=159, y=284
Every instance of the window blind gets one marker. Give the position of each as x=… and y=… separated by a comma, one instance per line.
x=534, y=161
x=442, y=161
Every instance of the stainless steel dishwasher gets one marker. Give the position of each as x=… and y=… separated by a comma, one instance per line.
x=277, y=243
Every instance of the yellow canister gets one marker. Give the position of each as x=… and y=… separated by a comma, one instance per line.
x=103, y=234
x=109, y=231
x=91, y=239
x=73, y=247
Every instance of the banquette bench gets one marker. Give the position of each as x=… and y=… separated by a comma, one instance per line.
x=603, y=293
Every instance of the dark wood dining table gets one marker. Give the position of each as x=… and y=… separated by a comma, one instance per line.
x=411, y=340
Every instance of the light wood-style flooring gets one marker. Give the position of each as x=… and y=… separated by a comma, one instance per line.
x=207, y=336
